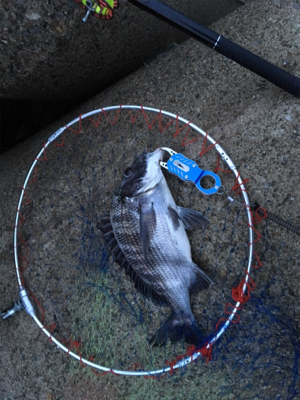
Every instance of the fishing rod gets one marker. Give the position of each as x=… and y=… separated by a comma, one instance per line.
x=219, y=43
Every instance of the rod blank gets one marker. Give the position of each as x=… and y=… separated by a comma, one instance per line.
x=240, y=55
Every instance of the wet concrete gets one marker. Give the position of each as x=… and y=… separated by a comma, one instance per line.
x=47, y=53
x=51, y=62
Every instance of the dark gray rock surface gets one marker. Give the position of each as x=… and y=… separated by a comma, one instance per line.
x=48, y=54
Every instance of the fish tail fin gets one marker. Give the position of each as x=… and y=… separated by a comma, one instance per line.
x=178, y=327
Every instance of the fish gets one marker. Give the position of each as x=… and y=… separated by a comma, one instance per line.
x=146, y=232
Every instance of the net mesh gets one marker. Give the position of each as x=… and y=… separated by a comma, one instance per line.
x=88, y=303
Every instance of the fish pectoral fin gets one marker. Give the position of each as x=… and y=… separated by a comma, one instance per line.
x=191, y=219
x=174, y=217
x=147, y=225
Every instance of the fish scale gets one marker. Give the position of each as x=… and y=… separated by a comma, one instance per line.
x=128, y=236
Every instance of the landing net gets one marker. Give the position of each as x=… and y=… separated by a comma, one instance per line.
x=83, y=302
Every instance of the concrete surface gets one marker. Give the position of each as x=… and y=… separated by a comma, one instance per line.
x=48, y=54
x=258, y=125
x=51, y=62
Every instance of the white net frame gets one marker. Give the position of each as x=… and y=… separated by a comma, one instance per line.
x=216, y=335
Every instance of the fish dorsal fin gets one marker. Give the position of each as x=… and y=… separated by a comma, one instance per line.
x=191, y=219
x=147, y=225
x=105, y=226
x=202, y=281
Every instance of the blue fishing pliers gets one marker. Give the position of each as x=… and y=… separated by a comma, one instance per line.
x=188, y=170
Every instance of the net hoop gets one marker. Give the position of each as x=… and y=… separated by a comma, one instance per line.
x=216, y=335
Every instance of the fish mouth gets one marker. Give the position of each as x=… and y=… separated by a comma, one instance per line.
x=157, y=155
x=153, y=174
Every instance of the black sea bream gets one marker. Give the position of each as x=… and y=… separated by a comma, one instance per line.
x=146, y=232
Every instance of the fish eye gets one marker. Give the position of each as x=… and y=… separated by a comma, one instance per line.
x=128, y=172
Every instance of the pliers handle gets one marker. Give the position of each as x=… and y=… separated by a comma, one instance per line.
x=188, y=170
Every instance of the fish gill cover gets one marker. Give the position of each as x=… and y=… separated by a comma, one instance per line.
x=90, y=306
